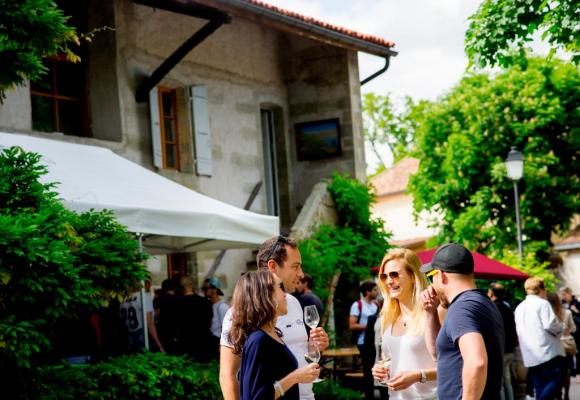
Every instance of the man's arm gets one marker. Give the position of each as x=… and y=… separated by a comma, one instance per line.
x=474, y=375
x=353, y=324
x=550, y=322
x=229, y=366
x=152, y=329
x=432, y=320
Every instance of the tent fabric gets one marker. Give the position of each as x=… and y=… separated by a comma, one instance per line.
x=484, y=267
x=172, y=217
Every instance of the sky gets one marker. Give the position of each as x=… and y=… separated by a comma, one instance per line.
x=428, y=35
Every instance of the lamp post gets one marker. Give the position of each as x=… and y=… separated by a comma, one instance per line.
x=514, y=164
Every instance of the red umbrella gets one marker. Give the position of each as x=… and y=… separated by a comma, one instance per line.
x=484, y=267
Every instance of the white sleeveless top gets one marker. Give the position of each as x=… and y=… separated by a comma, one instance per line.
x=409, y=353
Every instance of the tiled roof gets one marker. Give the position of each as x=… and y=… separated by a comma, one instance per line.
x=313, y=21
x=395, y=179
x=303, y=25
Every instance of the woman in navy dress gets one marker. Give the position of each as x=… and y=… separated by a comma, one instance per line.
x=268, y=369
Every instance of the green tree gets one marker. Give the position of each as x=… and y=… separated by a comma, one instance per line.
x=348, y=251
x=500, y=29
x=384, y=124
x=54, y=264
x=464, y=138
x=29, y=31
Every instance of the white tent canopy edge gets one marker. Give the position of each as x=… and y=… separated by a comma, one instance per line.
x=171, y=217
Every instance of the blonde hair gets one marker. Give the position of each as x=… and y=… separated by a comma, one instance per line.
x=534, y=285
x=391, y=308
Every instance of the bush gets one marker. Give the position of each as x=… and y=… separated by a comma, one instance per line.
x=133, y=377
x=329, y=390
x=55, y=264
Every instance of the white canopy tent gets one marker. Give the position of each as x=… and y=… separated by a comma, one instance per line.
x=171, y=217
x=167, y=216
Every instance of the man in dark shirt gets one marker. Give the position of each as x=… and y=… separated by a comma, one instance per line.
x=306, y=296
x=496, y=294
x=469, y=346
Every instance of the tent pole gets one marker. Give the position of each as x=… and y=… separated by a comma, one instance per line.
x=143, y=308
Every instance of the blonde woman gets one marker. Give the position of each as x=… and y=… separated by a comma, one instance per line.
x=412, y=372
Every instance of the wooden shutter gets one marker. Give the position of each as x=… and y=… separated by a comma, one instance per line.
x=201, y=132
x=155, y=127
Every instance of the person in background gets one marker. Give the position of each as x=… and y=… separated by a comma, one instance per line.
x=565, y=318
x=360, y=311
x=570, y=302
x=131, y=314
x=469, y=345
x=306, y=296
x=412, y=372
x=168, y=318
x=496, y=294
x=212, y=289
x=373, y=342
x=539, y=334
x=194, y=315
x=269, y=370
x=279, y=255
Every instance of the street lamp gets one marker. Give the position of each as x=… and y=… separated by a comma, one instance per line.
x=514, y=164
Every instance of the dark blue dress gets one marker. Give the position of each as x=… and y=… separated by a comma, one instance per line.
x=264, y=361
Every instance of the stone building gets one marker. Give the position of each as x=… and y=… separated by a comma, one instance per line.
x=217, y=95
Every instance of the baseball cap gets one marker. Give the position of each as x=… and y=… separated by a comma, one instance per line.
x=216, y=284
x=451, y=257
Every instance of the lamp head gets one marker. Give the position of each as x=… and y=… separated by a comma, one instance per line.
x=514, y=164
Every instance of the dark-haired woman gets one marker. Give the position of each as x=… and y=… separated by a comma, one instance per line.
x=268, y=369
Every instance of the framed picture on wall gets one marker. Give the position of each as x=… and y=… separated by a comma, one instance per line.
x=317, y=139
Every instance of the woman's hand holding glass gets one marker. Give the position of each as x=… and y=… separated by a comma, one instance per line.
x=306, y=374
x=381, y=371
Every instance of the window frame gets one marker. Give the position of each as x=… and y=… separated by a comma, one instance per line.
x=53, y=95
x=174, y=117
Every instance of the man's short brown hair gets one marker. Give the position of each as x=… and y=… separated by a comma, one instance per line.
x=534, y=285
x=274, y=249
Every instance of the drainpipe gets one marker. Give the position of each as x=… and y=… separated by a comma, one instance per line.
x=379, y=72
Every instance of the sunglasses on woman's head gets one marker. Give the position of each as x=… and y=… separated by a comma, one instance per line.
x=392, y=274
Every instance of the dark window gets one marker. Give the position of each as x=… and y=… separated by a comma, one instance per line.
x=176, y=265
x=58, y=98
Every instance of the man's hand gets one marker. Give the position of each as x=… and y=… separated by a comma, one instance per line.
x=319, y=336
x=430, y=300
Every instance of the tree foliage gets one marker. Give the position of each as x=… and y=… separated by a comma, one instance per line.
x=54, y=264
x=500, y=29
x=355, y=245
x=29, y=31
x=462, y=143
x=385, y=125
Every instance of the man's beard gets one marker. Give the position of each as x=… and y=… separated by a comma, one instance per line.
x=443, y=300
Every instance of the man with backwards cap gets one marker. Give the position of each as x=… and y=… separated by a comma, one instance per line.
x=469, y=346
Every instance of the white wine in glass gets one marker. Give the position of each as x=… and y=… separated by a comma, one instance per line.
x=311, y=317
x=313, y=356
x=384, y=360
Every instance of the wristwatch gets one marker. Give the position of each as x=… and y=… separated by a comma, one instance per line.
x=423, y=376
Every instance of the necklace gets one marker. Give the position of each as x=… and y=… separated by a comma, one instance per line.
x=404, y=320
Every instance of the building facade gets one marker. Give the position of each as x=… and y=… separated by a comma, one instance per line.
x=260, y=95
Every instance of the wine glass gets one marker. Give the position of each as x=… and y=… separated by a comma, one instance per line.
x=311, y=317
x=313, y=356
x=384, y=360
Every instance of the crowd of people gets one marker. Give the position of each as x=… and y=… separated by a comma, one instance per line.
x=423, y=331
